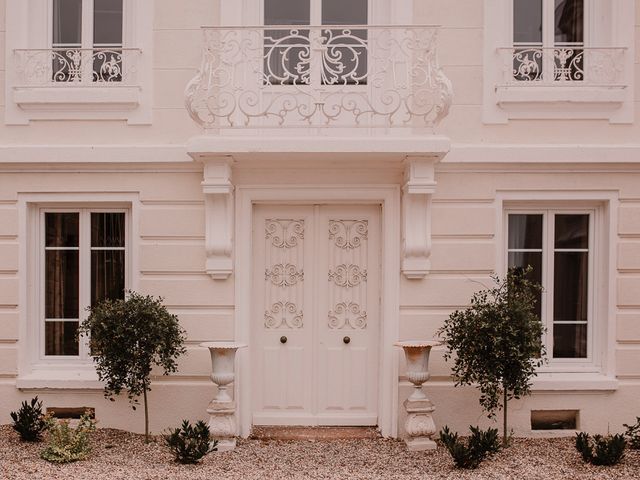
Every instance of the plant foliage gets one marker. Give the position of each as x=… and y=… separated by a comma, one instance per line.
x=189, y=444
x=601, y=450
x=633, y=434
x=496, y=343
x=67, y=444
x=127, y=339
x=480, y=445
x=29, y=421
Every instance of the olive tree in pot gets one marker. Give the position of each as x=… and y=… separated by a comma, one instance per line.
x=127, y=338
x=496, y=343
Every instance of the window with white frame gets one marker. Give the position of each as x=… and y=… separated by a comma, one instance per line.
x=548, y=40
x=83, y=258
x=87, y=40
x=289, y=60
x=559, y=246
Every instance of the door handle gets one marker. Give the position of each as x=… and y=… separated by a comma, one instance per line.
x=283, y=339
x=346, y=340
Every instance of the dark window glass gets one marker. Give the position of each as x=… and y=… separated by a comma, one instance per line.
x=107, y=22
x=525, y=231
x=572, y=231
x=570, y=287
x=287, y=12
x=569, y=341
x=107, y=275
x=107, y=229
x=527, y=21
x=524, y=260
x=341, y=12
x=61, y=284
x=61, y=338
x=61, y=229
x=569, y=21
x=67, y=22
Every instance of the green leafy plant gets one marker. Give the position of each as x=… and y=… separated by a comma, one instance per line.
x=633, y=434
x=601, y=450
x=470, y=455
x=67, y=444
x=496, y=343
x=189, y=444
x=29, y=421
x=127, y=339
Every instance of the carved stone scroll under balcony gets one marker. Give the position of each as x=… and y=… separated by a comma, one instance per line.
x=557, y=66
x=98, y=66
x=308, y=76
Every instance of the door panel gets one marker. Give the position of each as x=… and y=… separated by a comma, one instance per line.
x=320, y=285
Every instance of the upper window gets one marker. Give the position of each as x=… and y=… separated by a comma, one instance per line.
x=83, y=262
x=548, y=40
x=289, y=56
x=87, y=40
x=559, y=246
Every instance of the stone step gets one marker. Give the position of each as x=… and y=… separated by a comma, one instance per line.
x=313, y=433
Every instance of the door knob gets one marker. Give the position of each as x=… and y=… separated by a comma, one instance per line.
x=346, y=340
x=283, y=339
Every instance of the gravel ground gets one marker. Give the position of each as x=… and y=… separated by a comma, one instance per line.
x=121, y=455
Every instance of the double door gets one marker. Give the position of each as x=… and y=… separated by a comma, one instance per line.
x=315, y=314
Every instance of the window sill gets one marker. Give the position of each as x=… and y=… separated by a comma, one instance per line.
x=573, y=382
x=60, y=380
x=568, y=101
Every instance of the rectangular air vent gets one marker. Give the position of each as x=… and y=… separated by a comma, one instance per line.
x=71, y=412
x=554, y=419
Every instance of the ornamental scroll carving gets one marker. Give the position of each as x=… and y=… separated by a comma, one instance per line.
x=283, y=314
x=284, y=233
x=347, y=315
x=348, y=275
x=348, y=234
x=284, y=275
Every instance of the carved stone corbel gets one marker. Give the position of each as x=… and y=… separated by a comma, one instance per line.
x=419, y=186
x=219, y=212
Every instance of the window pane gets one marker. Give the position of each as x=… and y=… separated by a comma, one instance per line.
x=67, y=22
x=569, y=21
x=527, y=21
x=107, y=275
x=287, y=12
x=533, y=259
x=107, y=229
x=341, y=12
x=572, y=231
x=570, y=286
x=569, y=341
x=525, y=231
x=107, y=22
x=61, y=284
x=61, y=338
x=61, y=229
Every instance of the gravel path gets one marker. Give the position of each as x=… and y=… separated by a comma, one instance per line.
x=120, y=455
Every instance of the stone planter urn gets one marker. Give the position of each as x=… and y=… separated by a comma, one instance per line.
x=419, y=425
x=222, y=409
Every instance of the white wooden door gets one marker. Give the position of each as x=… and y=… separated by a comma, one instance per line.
x=315, y=329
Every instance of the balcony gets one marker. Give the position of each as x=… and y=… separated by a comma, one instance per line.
x=319, y=77
x=73, y=79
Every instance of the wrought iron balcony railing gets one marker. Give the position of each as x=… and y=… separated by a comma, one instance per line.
x=77, y=66
x=319, y=76
x=563, y=65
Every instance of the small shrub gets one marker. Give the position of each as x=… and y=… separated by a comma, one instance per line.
x=189, y=444
x=601, y=450
x=29, y=421
x=67, y=444
x=480, y=445
x=633, y=434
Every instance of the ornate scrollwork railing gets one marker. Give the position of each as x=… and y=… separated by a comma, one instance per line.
x=306, y=76
x=93, y=66
x=559, y=65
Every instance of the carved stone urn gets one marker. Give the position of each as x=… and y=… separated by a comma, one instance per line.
x=419, y=425
x=222, y=409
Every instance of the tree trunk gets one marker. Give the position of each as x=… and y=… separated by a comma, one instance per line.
x=505, y=438
x=146, y=416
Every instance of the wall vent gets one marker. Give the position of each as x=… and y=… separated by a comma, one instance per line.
x=71, y=412
x=554, y=419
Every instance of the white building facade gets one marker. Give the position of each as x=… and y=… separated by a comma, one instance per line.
x=319, y=179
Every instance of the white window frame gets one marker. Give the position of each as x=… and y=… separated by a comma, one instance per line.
x=84, y=278
x=591, y=361
x=30, y=26
x=608, y=24
x=35, y=370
